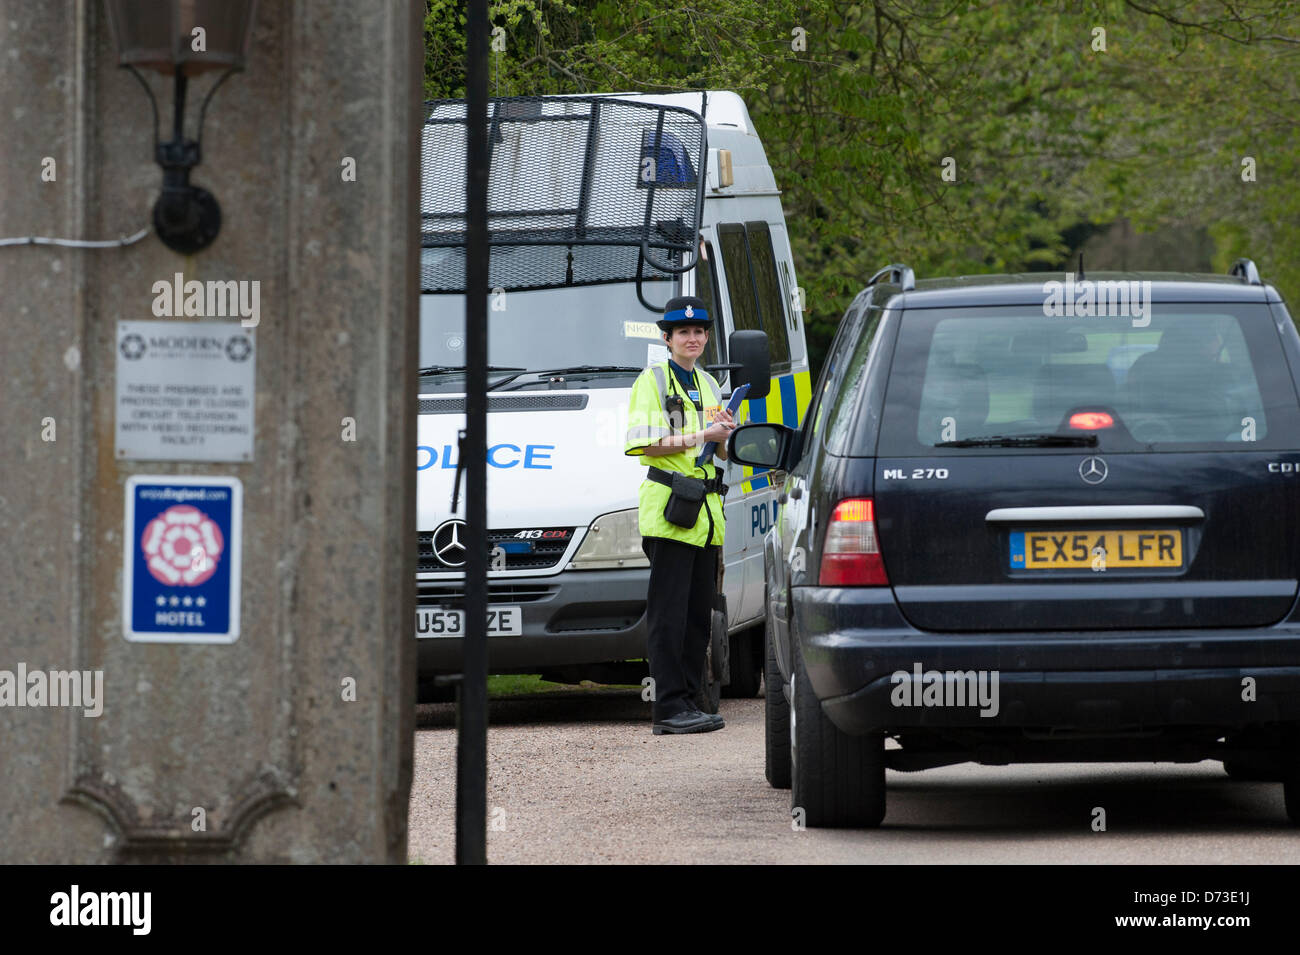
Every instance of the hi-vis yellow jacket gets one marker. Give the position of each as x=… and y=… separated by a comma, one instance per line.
x=648, y=424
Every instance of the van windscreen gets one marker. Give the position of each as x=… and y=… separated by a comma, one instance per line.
x=551, y=328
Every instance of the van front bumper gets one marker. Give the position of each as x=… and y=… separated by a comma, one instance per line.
x=574, y=617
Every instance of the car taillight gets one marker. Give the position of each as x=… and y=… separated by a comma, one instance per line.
x=851, y=555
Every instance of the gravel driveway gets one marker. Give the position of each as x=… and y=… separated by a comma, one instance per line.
x=578, y=777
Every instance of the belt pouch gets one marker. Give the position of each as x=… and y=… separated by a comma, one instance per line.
x=684, y=501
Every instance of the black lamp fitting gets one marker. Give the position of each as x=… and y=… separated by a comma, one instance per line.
x=187, y=218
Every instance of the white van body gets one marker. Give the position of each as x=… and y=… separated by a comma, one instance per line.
x=556, y=462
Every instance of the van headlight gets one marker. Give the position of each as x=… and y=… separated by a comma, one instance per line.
x=612, y=541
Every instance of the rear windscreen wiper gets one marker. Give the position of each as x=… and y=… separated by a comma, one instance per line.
x=1024, y=441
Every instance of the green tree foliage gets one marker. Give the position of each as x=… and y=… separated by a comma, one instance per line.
x=1044, y=116
x=1218, y=84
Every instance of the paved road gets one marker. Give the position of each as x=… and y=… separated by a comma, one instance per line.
x=580, y=778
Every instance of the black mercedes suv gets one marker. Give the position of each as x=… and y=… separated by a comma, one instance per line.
x=1035, y=518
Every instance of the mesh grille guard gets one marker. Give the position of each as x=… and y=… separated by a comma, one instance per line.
x=582, y=190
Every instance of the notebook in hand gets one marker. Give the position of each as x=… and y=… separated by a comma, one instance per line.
x=737, y=396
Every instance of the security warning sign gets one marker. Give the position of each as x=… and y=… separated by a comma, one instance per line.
x=181, y=565
x=185, y=391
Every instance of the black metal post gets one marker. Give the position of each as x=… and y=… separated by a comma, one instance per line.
x=471, y=704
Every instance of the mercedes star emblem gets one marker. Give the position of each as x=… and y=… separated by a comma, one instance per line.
x=1093, y=470
x=447, y=544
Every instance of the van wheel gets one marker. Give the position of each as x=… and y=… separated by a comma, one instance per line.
x=776, y=717
x=709, y=696
x=746, y=672
x=837, y=780
x=429, y=692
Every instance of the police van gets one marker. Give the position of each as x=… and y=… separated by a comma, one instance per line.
x=600, y=208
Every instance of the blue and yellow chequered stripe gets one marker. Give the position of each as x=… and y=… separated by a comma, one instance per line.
x=786, y=403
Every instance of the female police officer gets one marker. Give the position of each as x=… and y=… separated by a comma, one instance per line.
x=675, y=409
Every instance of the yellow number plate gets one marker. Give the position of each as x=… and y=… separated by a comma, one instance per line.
x=1095, y=549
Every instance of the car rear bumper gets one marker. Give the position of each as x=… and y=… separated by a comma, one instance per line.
x=574, y=617
x=856, y=647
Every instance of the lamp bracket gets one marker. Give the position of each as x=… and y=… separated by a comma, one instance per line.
x=186, y=217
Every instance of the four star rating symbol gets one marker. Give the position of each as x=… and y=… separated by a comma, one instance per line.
x=162, y=601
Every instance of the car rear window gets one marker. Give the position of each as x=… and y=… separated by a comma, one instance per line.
x=1194, y=377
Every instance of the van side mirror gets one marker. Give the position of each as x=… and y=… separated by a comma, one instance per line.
x=760, y=445
x=748, y=349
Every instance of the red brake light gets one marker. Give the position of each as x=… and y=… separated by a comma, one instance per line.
x=855, y=509
x=1091, y=420
x=851, y=555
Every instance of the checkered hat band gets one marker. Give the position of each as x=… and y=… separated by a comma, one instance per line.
x=700, y=315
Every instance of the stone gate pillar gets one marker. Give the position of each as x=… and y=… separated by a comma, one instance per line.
x=287, y=736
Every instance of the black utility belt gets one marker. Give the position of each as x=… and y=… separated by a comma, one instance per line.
x=712, y=485
x=683, y=507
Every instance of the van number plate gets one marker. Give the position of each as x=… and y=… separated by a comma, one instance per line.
x=437, y=622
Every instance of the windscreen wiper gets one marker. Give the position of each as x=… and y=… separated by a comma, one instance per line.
x=444, y=369
x=579, y=369
x=1024, y=441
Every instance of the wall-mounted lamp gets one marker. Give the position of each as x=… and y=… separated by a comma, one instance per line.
x=182, y=38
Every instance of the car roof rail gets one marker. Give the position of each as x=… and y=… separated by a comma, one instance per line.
x=1245, y=270
x=900, y=275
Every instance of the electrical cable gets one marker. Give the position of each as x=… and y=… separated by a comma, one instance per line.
x=79, y=243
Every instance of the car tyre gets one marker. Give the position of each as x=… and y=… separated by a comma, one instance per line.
x=1291, y=794
x=837, y=780
x=1289, y=772
x=1247, y=774
x=776, y=717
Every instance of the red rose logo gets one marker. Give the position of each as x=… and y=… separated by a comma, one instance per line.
x=182, y=546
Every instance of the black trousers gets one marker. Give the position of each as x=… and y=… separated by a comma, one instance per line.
x=679, y=613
